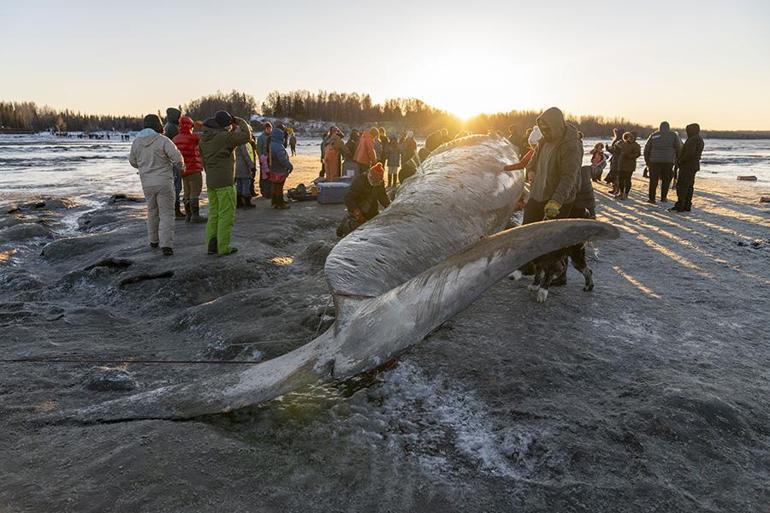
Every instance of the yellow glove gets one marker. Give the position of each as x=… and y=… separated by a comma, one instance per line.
x=552, y=209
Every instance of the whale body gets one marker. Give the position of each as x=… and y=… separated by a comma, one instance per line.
x=395, y=279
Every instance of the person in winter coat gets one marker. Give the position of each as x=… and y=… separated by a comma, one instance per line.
x=192, y=179
x=335, y=149
x=349, y=165
x=661, y=153
x=555, y=167
x=393, y=157
x=156, y=158
x=222, y=134
x=366, y=194
x=629, y=152
x=584, y=206
x=170, y=130
x=244, y=169
x=689, y=165
x=366, y=155
x=598, y=162
x=408, y=147
x=380, y=142
x=292, y=142
x=280, y=166
x=612, y=149
x=263, y=147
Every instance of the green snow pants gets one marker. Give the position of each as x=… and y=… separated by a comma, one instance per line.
x=221, y=217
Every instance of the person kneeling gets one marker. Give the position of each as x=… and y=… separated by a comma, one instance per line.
x=366, y=194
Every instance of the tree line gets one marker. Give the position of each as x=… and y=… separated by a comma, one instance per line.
x=353, y=109
x=27, y=116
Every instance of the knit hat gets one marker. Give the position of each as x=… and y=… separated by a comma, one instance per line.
x=223, y=118
x=377, y=172
x=153, y=121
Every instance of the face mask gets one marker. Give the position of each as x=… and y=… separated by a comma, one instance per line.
x=535, y=136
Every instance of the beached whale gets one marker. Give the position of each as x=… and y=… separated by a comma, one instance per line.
x=393, y=280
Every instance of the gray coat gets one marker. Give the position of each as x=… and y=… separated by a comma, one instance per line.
x=243, y=162
x=663, y=146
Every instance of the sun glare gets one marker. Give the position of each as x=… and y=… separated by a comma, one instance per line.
x=468, y=83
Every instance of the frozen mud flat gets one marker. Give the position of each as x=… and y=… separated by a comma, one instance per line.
x=649, y=394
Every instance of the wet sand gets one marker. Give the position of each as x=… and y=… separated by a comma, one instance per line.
x=649, y=394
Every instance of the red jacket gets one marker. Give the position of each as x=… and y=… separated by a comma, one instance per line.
x=187, y=143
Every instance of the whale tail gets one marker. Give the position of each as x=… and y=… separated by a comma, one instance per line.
x=352, y=345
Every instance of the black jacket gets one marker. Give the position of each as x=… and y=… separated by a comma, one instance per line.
x=365, y=197
x=689, y=160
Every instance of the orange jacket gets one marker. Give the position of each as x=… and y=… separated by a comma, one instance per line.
x=365, y=153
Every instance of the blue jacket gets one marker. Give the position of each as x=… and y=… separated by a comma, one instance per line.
x=279, y=159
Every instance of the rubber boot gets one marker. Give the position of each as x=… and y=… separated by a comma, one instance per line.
x=197, y=218
x=187, y=211
x=178, y=214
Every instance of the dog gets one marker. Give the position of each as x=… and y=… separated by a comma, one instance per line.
x=551, y=269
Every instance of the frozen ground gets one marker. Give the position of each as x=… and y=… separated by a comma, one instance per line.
x=650, y=394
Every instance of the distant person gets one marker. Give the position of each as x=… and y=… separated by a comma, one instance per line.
x=534, y=137
x=629, y=152
x=366, y=154
x=335, y=150
x=393, y=156
x=612, y=149
x=222, y=134
x=689, y=165
x=349, y=165
x=324, y=141
x=263, y=146
x=292, y=142
x=660, y=155
x=244, y=167
x=171, y=130
x=280, y=167
x=556, y=168
x=366, y=194
x=192, y=179
x=408, y=148
x=598, y=162
x=156, y=158
x=380, y=142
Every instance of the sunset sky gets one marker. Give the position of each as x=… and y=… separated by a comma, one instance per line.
x=683, y=61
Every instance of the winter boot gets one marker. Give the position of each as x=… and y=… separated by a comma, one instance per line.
x=212, y=250
x=196, y=212
x=247, y=203
x=238, y=201
x=187, y=211
x=178, y=214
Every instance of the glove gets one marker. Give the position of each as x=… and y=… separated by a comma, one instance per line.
x=552, y=209
x=358, y=216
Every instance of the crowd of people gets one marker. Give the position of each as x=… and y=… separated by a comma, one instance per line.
x=667, y=161
x=171, y=159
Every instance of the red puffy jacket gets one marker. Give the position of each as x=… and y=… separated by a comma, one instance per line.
x=187, y=143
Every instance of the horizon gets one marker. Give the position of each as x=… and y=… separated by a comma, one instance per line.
x=460, y=60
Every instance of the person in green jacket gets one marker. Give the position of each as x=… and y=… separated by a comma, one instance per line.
x=221, y=135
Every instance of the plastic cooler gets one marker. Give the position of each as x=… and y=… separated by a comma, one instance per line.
x=332, y=192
